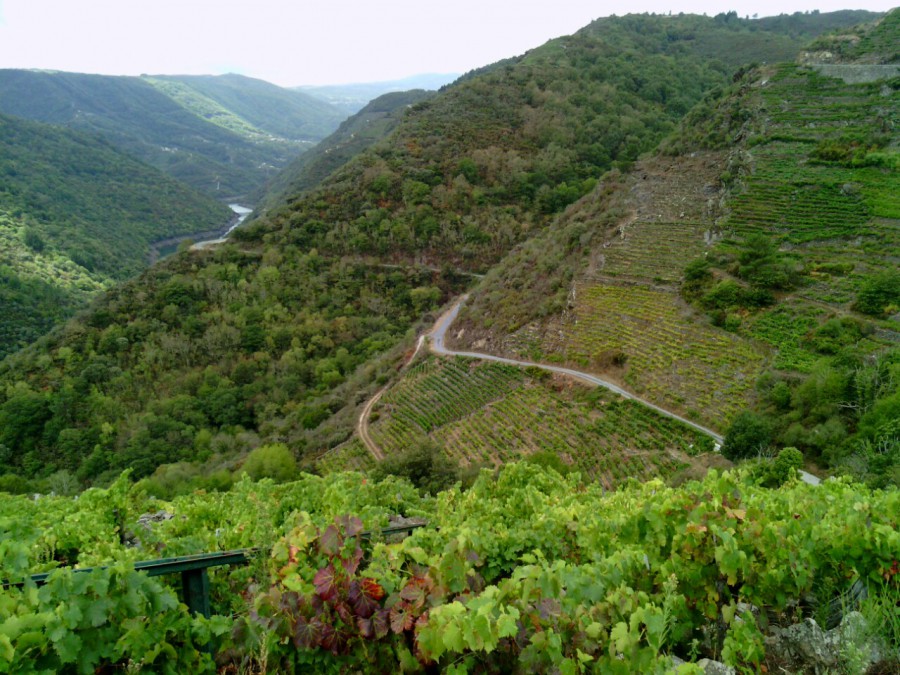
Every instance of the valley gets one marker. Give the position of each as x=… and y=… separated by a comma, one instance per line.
x=586, y=363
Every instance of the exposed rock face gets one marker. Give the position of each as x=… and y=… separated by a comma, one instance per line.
x=711, y=667
x=858, y=74
x=806, y=648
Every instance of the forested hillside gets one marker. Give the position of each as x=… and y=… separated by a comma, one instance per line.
x=357, y=133
x=224, y=136
x=262, y=340
x=77, y=215
x=752, y=264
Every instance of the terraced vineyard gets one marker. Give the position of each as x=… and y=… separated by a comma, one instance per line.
x=349, y=456
x=839, y=219
x=654, y=250
x=784, y=328
x=488, y=413
x=673, y=358
x=793, y=195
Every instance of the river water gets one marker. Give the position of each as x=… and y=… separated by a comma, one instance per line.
x=242, y=213
x=166, y=247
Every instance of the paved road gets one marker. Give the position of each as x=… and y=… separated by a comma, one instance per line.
x=437, y=346
x=436, y=342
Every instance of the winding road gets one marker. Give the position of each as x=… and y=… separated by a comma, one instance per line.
x=436, y=343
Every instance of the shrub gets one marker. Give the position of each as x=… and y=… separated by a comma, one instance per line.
x=273, y=461
x=748, y=435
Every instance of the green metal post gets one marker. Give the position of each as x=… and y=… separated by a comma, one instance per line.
x=195, y=585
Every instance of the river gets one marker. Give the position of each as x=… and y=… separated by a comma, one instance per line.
x=166, y=247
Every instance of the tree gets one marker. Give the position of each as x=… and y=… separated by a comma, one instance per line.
x=424, y=465
x=273, y=461
x=747, y=436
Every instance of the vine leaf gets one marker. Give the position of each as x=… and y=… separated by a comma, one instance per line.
x=351, y=524
x=351, y=564
x=324, y=581
x=364, y=596
x=401, y=617
x=330, y=541
x=307, y=632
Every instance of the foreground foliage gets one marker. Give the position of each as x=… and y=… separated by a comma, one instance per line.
x=525, y=571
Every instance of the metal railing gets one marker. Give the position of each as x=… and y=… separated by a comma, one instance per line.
x=193, y=568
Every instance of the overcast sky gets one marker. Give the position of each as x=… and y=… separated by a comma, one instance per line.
x=293, y=42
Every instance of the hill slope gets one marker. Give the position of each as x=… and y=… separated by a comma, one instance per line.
x=755, y=267
x=75, y=215
x=172, y=124
x=357, y=133
x=284, y=113
x=281, y=334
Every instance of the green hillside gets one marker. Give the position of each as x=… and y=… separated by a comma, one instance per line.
x=357, y=133
x=283, y=113
x=282, y=334
x=174, y=128
x=753, y=267
x=486, y=164
x=75, y=216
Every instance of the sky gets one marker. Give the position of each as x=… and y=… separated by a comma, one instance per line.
x=301, y=42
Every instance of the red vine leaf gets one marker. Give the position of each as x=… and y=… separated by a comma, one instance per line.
x=324, y=582
x=343, y=610
x=401, y=617
x=334, y=640
x=330, y=541
x=371, y=588
x=352, y=525
x=415, y=590
x=380, y=623
x=351, y=564
x=307, y=632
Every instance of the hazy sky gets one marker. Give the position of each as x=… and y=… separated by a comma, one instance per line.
x=292, y=42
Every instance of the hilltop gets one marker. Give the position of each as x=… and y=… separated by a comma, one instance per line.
x=76, y=216
x=223, y=135
x=352, y=98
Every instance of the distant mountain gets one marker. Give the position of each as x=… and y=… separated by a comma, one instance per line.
x=284, y=113
x=357, y=133
x=352, y=97
x=222, y=135
x=76, y=214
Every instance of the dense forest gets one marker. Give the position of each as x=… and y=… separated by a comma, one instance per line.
x=77, y=215
x=224, y=135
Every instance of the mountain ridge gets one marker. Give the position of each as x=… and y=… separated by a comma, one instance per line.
x=139, y=118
